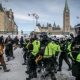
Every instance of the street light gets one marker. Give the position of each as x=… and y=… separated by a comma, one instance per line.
x=34, y=15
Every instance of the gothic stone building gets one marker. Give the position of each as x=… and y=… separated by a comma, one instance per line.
x=7, y=23
x=56, y=29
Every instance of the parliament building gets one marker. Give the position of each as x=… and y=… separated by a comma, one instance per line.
x=7, y=23
x=56, y=29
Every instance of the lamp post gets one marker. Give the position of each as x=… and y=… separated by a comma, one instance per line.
x=35, y=16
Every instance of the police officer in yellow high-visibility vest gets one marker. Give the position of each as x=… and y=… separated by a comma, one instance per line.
x=34, y=47
x=49, y=58
x=50, y=55
x=69, y=42
x=57, y=51
x=50, y=50
x=47, y=52
x=75, y=48
x=57, y=48
x=25, y=50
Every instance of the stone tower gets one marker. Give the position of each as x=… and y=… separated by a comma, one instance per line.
x=66, y=18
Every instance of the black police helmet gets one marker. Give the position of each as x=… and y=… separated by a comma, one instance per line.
x=43, y=36
x=77, y=29
x=33, y=35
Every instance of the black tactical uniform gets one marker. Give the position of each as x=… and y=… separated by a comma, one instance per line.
x=47, y=62
x=75, y=48
x=63, y=55
x=33, y=48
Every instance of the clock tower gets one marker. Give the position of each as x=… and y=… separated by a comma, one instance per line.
x=66, y=18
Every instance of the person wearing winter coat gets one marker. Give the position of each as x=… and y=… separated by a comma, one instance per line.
x=9, y=48
x=1, y=57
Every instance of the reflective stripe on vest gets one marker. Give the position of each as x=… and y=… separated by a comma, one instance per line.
x=69, y=47
x=58, y=48
x=36, y=47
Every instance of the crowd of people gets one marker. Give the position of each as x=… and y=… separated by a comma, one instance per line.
x=43, y=52
x=6, y=46
x=46, y=50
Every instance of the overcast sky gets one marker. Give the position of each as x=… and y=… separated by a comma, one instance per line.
x=48, y=11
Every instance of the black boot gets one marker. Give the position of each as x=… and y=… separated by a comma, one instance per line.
x=28, y=78
x=69, y=68
x=25, y=62
x=59, y=69
x=5, y=68
x=8, y=59
x=53, y=77
x=27, y=72
x=39, y=70
x=34, y=74
x=0, y=68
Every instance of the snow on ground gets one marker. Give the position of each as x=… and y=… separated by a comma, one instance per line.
x=18, y=70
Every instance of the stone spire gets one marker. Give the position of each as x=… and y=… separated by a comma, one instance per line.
x=66, y=5
x=54, y=25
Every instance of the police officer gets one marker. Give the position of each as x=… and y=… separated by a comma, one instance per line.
x=57, y=51
x=47, y=52
x=34, y=47
x=21, y=42
x=25, y=50
x=69, y=43
x=75, y=48
x=63, y=55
